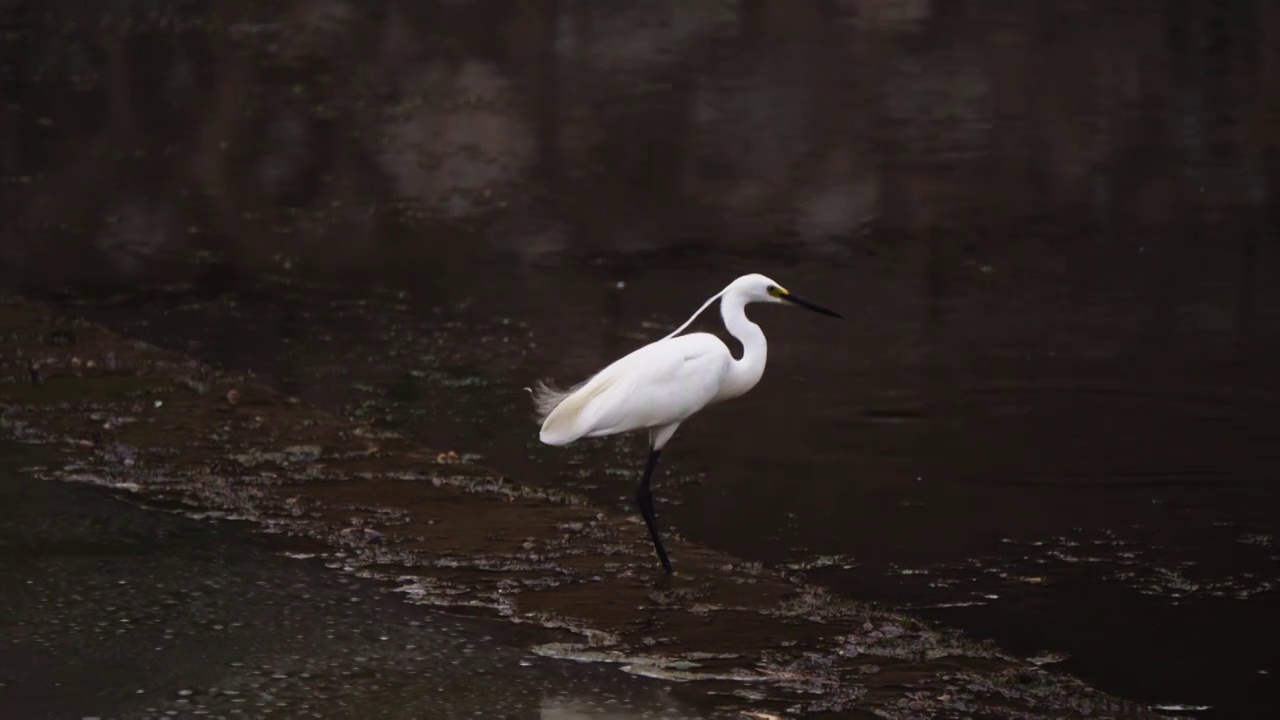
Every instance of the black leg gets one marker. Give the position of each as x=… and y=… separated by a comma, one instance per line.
x=644, y=498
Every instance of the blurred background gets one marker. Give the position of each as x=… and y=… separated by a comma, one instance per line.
x=1049, y=419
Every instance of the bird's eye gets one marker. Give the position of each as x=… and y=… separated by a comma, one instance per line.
x=775, y=291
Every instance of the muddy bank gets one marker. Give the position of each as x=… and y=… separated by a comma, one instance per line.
x=449, y=534
x=112, y=610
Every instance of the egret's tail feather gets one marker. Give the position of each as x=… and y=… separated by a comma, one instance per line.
x=567, y=414
x=547, y=397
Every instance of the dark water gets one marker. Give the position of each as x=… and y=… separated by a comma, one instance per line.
x=1051, y=415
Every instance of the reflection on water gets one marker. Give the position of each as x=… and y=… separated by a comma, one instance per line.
x=1050, y=417
x=351, y=136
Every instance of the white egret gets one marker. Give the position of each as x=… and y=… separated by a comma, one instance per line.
x=663, y=383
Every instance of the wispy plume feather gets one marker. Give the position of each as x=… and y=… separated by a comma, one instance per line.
x=547, y=397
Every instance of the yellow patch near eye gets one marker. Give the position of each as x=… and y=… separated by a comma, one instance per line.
x=777, y=291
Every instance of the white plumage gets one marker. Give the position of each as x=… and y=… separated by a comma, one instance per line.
x=662, y=384
x=654, y=386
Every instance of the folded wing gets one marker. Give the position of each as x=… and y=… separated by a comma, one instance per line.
x=661, y=383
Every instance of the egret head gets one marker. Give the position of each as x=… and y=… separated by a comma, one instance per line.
x=758, y=288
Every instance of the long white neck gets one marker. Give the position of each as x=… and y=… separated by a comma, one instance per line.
x=746, y=371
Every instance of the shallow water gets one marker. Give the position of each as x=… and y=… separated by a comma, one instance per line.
x=1050, y=417
x=1074, y=507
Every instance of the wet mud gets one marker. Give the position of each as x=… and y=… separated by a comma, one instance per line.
x=114, y=610
x=176, y=434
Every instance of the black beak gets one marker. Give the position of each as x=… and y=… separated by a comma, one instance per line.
x=809, y=305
